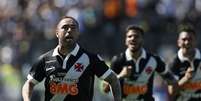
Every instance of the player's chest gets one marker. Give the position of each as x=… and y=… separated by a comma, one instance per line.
x=136, y=67
x=61, y=67
x=142, y=68
x=183, y=66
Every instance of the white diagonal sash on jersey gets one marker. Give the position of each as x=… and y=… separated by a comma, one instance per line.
x=73, y=74
x=196, y=77
x=144, y=76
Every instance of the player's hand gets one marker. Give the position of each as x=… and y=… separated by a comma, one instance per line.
x=126, y=72
x=106, y=87
x=189, y=73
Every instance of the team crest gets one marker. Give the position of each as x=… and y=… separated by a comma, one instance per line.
x=148, y=70
x=79, y=67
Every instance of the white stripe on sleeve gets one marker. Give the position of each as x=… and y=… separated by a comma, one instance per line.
x=107, y=73
x=34, y=81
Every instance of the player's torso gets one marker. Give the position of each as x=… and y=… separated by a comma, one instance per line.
x=192, y=89
x=70, y=80
x=139, y=84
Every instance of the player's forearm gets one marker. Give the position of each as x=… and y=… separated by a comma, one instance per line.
x=183, y=81
x=116, y=89
x=169, y=78
x=170, y=90
x=186, y=77
x=27, y=91
x=115, y=85
x=120, y=76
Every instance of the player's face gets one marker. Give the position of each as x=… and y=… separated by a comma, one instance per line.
x=134, y=40
x=186, y=41
x=67, y=31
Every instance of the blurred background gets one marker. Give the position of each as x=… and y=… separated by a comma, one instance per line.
x=27, y=30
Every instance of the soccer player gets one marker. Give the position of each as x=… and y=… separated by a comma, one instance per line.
x=186, y=66
x=68, y=69
x=136, y=67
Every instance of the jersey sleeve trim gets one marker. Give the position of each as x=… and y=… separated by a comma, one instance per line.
x=165, y=71
x=106, y=74
x=34, y=81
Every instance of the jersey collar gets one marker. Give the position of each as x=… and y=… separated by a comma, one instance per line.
x=129, y=57
x=183, y=58
x=73, y=52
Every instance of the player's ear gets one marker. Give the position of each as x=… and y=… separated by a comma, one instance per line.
x=57, y=34
x=178, y=43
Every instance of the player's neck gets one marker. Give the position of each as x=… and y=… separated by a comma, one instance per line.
x=66, y=49
x=136, y=54
x=189, y=54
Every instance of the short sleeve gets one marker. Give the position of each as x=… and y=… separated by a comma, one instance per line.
x=100, y=68
x=117, y=64
x=37, y=72
x=161, y=66
x=172, y=68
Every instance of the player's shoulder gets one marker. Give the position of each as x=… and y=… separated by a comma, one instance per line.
x=151, y=54
x=155, y=56
x=175, y=63
x=175, y=60
x=47, y=54
x=119, y=57
x=91, y=55
x=84, y=51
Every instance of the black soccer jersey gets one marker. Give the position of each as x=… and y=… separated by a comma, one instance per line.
x=190, y=91
x=140, y=83
x=70, y=78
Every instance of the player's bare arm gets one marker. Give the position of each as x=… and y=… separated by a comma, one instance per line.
x=173, y=88
x=172, y=83
x=187, y=77
x=125, y=72
x=115, y=85
x=27, y=90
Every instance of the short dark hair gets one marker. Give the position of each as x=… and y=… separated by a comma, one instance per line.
x=135, y=28
x=187, y=28
x=65, y=17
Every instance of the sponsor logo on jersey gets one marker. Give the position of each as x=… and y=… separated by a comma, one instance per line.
x=63, y=88
x=134, y=89
x=191, y=86
x=79, y=67
x=62, y=79
x=50, y=61
x=51, y=67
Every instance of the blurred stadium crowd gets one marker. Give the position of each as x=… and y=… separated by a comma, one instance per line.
x=27, y=29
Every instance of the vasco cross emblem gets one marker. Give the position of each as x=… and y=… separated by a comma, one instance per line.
x=78, y=67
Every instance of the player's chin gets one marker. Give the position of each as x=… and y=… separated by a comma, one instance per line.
x=134, y=49
x=187, y=48
x=132, y=46
x=69, y=41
